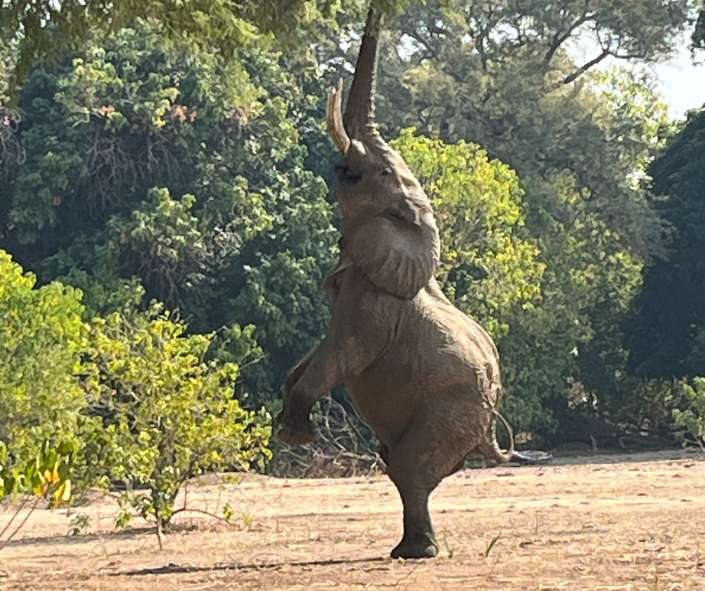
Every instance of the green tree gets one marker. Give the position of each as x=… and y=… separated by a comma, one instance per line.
x=155, y=166
x=41, y=339
x=564, y=355
x=40, y=27
x=512, y=86
x=168, y=412
x=580, y=141
x=666, y=330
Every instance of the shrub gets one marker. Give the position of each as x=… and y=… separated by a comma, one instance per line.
x=692, y=418
x=168, y=412
x=41, y=338
x=41, y=335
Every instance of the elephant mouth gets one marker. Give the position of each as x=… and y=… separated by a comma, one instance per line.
x=347, y=174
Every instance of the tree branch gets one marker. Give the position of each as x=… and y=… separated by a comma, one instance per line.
x=560, y=38
x=585, y=67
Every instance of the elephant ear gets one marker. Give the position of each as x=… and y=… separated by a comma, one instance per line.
x=398, y=250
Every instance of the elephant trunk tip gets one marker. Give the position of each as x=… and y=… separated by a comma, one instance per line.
x=374, y=22
x=359, y=119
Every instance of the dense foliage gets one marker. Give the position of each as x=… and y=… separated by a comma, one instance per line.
x=151, y=164
x=39, y=27
x=127, y=397
x=164, y=154
x=41, y=339
x=666, y=333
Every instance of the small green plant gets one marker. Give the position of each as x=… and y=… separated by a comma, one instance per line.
x=228, y=512
x=169, y=412
x=79, y=523
x=692, y=418
x=449, y=548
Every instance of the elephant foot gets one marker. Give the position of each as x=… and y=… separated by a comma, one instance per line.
x=424, y=547
x=297, y=434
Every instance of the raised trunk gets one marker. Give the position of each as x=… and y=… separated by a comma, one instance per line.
x=360, y=109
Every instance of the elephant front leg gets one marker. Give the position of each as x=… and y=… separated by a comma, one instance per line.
x=313, y=377
x=296, y=429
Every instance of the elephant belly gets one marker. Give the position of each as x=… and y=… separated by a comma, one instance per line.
x=441, y=363
x=388, y=409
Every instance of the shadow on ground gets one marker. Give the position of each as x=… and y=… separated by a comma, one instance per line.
x=171, y=569
x=60, y=540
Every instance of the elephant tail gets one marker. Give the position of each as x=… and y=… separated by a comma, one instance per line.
x=491, y=448
x=490, y=390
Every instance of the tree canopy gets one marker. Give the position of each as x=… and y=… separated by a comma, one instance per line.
x=666, y=332
x=155, y=165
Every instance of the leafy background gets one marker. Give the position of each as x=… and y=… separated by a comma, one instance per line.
x=167, y=218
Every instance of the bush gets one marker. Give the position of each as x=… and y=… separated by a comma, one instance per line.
x=692, y=418
x=168, y=412
x=41, y=338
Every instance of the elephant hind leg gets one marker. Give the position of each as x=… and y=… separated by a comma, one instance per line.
x=417, y=464
x=419, y=540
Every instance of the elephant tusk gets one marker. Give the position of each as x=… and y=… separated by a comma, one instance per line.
x=335, y=119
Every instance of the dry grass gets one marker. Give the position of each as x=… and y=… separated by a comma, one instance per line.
x=609, y=522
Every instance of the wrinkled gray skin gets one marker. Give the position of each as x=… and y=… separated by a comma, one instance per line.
x=424, y=375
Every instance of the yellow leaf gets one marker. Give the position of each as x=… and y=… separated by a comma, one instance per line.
x=67, y=491
x=63, y=493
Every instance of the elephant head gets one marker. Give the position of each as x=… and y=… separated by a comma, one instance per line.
x=388, y=226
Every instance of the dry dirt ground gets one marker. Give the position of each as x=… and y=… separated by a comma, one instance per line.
x=598, y=523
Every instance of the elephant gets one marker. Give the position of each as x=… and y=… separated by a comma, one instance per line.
x=424, y=375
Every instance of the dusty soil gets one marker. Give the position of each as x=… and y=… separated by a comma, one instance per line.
x=598, y=523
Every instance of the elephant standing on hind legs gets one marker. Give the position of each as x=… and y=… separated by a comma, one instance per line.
x=424, y=375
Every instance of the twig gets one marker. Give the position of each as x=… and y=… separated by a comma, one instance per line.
x=14, y=515
x=19, y=527
x=342, y=448
x=202, y=512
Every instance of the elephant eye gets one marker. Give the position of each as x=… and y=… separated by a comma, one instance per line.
x=386, y=171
